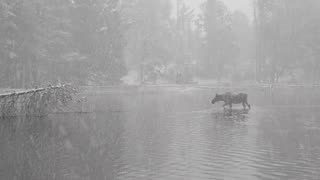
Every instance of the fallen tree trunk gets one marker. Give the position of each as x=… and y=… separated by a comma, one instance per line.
x=36, y=102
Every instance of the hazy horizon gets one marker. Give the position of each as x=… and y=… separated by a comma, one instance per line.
x=233, y=5
x=159, y=89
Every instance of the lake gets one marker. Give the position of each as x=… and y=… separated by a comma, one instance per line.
x=168, y=133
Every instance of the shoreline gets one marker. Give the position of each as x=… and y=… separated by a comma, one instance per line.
x=8, y=92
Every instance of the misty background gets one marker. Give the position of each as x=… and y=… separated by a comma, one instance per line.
x=103, y=42
x=74, y=103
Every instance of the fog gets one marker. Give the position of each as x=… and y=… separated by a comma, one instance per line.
x=123, y=42
x=159, y=89
x=245, y=6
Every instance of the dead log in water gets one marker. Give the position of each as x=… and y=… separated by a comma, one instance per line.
x=36, y=102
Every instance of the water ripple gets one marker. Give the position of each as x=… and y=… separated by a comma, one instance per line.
x=202, y=147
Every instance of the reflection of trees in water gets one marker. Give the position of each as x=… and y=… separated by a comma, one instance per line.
x=287, y=145
x=294, y=96
x=94, y=144
x=147, y=133
x=27, y=149
x=68, y=146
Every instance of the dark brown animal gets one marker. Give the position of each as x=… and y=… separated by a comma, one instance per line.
x=229, y=99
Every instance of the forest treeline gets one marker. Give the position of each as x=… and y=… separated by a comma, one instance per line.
x=287, y=40
x=98, y=42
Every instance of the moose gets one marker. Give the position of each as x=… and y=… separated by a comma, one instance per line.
x=229, y=99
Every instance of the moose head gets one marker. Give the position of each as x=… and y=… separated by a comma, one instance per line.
x=217, y=98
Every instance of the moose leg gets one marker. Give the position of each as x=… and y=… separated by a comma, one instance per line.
x=244, y=106
x=224, y=106
x=248, y=105
x=230, y=109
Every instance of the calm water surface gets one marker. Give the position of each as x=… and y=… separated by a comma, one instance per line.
x=168, y=134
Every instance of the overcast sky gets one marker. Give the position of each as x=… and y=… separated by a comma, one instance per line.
x=243, y=5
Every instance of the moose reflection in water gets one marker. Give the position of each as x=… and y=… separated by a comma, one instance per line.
x=229, y=99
